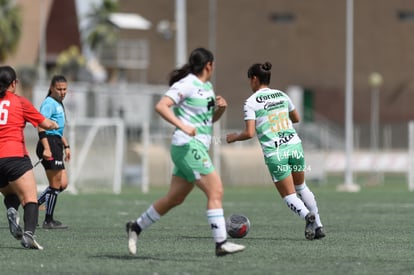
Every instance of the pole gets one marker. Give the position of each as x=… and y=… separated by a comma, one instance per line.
x=375, y=81
x=212, y=26
x=410, y=155
x=375, y=179
x=374, y=118
x=349, y=185
x=42, y=42
x=146, y=143
x=216, y=140
x=181, y=32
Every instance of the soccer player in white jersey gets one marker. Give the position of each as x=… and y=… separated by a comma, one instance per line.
x=270, y=114
x=195, y=108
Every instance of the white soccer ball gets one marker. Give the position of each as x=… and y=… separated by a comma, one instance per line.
x=237, y=226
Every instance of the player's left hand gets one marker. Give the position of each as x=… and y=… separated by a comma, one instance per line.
x=231, y=137
x=221, y=102
x=67, y=154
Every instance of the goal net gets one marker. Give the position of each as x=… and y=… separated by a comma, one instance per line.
x=97, y=146
x=97, y=155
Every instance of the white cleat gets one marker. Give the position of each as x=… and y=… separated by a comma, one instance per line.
x=13, y=218
x=132, y=238
x=28, y=241
x=229, y=248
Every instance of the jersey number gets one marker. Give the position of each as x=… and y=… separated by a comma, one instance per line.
x=195, y=154
x=4, y=113
x=278, y=121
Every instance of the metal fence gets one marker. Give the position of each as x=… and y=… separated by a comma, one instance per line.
x=240, y=163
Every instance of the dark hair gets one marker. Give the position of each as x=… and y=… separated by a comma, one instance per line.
x=56, y=79
x=196, y=62
x=7, y=76
x=261, y=71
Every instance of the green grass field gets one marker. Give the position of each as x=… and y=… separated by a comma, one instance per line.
x=369, y=232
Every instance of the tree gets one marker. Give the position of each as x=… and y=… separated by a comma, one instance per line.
x=10, y=28
x=101, y=31
x=71, y=63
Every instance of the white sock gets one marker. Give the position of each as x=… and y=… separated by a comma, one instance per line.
x=296, y=205
x=217, y=224
x=306, y=195
x=147, y=218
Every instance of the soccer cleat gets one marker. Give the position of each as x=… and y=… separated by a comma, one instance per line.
x=54, y=225
x=13, y=218
x=319, y=233
x=28, y=241
x=132, y=237
x=228, y=248
x=309, y=228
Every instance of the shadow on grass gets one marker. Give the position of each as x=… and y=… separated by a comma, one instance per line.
x=144, y=258
x=17, y=247
x=292, y=239
x=125, y=257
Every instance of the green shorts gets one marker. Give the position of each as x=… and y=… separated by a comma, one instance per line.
x=288, y=159
x=191, y=160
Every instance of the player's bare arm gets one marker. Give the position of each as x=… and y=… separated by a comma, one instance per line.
x=221, y=105
x=163, y=107
x=248, y=133
x=48, y=124
x=67, y=149
x=294, y=116
x=47, y=153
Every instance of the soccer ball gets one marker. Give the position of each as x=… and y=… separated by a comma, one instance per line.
x=237, y=226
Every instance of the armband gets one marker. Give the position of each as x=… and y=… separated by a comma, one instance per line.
x=66, y=146
x=42, y=134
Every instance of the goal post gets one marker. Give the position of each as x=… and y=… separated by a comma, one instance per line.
x=97, y=159
x=410, y=173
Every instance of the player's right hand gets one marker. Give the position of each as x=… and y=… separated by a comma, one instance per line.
x=47, y=155
x=189, y=130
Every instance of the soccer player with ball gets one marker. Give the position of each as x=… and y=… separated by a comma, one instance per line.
x=196, y=108
x=270, y=114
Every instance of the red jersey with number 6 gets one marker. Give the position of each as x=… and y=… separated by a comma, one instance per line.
x=15, y=111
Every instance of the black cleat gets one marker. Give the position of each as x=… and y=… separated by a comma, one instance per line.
x=54, y=225
x=319, y=233
x=309, y=228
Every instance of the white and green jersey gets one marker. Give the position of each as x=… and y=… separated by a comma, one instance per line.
x=195, y=102
x=270, y=109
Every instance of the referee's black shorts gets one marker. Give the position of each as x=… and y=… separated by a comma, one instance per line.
x=56, y=146
x=13, y=168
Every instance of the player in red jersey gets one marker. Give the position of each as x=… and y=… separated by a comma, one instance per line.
x=17, y=182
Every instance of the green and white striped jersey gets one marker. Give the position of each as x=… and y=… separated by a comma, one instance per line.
x=195, y=102
x=270, y=109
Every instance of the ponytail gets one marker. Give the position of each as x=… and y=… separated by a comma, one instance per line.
x=178, y=74
x=196, y=62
